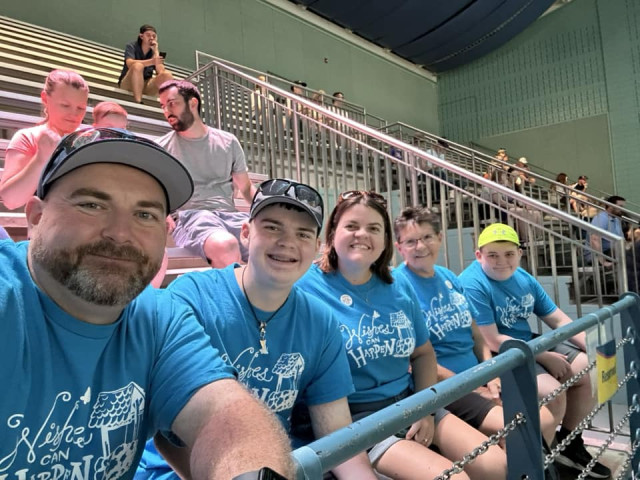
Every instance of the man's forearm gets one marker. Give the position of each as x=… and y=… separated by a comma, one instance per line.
x=241, y=443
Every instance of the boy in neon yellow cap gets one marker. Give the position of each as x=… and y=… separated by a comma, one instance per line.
x=505, y=296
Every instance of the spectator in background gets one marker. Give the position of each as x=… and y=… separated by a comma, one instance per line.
x=64, y=103
x=141, y=59
x=558, y=193
x=298, y=88
x=519, y=175
x=582, y=180
x=209, y=224
x=610, y=221
x=580, y=203
x=338, y=102
x=109, y=115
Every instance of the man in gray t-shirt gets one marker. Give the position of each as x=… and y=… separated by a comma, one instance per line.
x=208, y=224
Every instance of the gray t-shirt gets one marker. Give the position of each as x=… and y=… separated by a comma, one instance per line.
x=211, y=160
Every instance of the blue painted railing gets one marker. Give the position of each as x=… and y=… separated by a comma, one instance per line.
x=515, y=367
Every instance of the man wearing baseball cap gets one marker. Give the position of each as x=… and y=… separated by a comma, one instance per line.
x=505, y=296
x=96, y=362
x=285, y=344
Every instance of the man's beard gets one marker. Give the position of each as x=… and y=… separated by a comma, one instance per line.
x=184, y=121
x=107, y=285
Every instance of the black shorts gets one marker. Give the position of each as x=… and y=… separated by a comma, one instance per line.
x=563, y=348
x=472, y=408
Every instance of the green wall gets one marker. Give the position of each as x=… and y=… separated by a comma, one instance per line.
x=251, y=33
x=564, y=93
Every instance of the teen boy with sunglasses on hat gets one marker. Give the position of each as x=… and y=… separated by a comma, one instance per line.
x=285, y=344
x=94, y=362
x=505, y=295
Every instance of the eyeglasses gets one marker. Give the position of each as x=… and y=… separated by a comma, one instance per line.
x=361, y=193
x=300, y=192
x=412, y=243
x=72, y=142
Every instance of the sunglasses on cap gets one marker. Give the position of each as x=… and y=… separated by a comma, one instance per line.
x=72, y=142
x=361, y=193
x=287, y=191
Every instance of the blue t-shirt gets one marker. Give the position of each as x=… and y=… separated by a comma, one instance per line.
x=81, y=399
x=306, y=360
x=448, y=316
x=611, y=224
x=509, y=303
x=381, y=325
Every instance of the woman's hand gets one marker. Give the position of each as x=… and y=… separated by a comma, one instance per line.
x=422, y=431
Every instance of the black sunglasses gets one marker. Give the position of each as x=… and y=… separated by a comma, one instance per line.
x=72, y=142
x=304, y=194
x=361, y=193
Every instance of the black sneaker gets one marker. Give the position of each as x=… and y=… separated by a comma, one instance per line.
x=576, y=456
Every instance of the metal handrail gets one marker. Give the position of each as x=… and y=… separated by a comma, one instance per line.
x=309, y=92
x=514, y=366
x=590, y=200
x=297, y=138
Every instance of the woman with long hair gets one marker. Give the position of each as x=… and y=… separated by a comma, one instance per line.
x=388, y=344
x=64, y=101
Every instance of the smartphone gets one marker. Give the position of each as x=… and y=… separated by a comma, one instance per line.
x=163, y=54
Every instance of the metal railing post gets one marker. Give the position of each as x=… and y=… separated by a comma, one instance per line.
x=218, y=96
x=520, y=395
x=630, y=320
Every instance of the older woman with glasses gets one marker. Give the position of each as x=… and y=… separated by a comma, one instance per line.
x=388, y=344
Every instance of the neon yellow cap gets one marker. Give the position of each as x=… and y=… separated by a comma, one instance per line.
x=498, y=232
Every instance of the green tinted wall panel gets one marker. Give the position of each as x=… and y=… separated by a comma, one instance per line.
x=578, y=63
x=252, y=33
x=621, y=50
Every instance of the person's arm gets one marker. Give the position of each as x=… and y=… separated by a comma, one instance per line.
x=483, y=353
x=554, y=362
x=424, y=371
x=22, y=171
x=492, y=337
x=242, y=182
x=557, y=319
x=155, y=61
x=229, y=432
x=328, y=417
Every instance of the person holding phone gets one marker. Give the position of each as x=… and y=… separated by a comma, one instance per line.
x=141, y=59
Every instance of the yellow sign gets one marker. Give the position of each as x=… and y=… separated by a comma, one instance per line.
x=606, y=369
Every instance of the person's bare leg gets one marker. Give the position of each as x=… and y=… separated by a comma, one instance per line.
x=493, y=422
x=222, y=249
x=455, y=439
x=556, y=407
x=580, y=400
x=152, y=86
x=409, y=460
x=134, y=81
